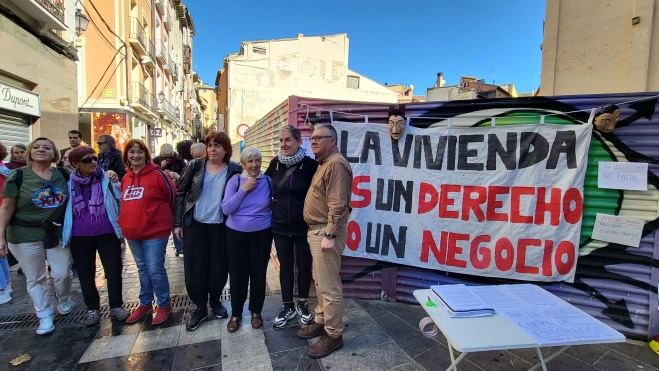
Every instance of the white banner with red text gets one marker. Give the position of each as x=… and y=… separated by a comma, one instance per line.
x=489, y=201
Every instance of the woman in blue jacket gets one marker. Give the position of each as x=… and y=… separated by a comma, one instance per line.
x=90, y=225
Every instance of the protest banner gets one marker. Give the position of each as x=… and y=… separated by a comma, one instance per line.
x=490, y=201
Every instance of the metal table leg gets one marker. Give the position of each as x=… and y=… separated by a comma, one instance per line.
x=454, y=364
x=544, y=360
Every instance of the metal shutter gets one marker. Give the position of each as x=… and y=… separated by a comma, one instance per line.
x=14, y=129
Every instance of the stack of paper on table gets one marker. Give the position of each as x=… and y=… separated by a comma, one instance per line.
x=459, y=301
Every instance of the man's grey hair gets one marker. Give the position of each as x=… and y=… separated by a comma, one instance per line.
x=109, y=139
x=330, y=128
x=248, y=153
x=166, y=149
x=197, y=147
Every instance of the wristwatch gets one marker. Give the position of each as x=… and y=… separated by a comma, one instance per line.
x=329, y=236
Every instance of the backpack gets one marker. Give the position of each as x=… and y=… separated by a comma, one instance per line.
x=19, y=176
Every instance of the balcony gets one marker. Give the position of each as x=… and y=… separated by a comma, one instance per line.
x=162, y=56
x=141, y=99
x=167, y=110
x=149, y=59
x=166, y=20
x=160, y=6
x=50, y=13
x=173, y=69
x=137, y=37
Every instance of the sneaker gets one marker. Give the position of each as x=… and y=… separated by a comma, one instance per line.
x=199, y=316
x=93, y=318
x=139, y=313
x=5, y=295
x=285, y=313
x=46, y=325
x=161, y=315
x=302, y=309
x=119, y=313
x=220, y=311
x=64, y=306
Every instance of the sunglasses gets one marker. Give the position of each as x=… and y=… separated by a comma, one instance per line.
x=100, y=143
x=88, y=160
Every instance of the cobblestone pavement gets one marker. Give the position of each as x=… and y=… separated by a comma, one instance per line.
x=378, y=336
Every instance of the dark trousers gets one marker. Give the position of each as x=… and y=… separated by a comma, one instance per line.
x=83, y=251
x=205, y=262
x=11, y=259
x=249, y=253
x=286, y=248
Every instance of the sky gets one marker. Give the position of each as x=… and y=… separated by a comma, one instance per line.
x=394, y=42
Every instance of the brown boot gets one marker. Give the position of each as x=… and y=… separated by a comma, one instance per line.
x=233, y=324
x=325, y=346
x=314, y=329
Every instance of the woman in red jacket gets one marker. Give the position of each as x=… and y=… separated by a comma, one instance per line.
x=146, y=219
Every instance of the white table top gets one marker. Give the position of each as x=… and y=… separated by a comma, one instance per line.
x=478, y=334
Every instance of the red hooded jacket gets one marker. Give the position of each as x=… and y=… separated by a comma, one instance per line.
x=147, y=204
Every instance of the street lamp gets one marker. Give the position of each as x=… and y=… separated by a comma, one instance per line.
x=81, y=22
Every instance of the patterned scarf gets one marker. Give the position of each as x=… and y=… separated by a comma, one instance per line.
x=290, y=161
x=244, y=175
x=96, y=204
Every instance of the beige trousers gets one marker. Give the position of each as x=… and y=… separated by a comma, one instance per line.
x=326, y=266
x=32, y=257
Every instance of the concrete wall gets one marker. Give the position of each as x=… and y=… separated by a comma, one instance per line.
x=591, y=46
x=315, y=67
x=442, y=94
x=53, y=76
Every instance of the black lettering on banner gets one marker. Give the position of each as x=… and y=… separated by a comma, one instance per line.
x=418, y=144
x=464, y=153
x=369, y=230
x=450, y=162
x=405, y=193
x=388, y=237
x=371, y=143
x=565, y=142
x=379, y=199
x=436, y=163
x=507, y=155
x=395, y=150
x=533, y=148
x=344, y=148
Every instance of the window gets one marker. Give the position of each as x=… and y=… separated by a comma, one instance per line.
x=353, y=82
x=258, y=50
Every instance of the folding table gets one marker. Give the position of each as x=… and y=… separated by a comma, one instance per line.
x=496, y=332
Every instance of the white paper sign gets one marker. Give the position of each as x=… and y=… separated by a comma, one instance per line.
x=623, y=175
x=618, y=229
x=19, y=100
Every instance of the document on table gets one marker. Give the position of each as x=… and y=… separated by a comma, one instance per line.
x=459, y=301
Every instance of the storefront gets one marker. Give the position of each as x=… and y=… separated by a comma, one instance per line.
x=18, y=109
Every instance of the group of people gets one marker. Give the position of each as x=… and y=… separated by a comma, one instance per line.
x=223, y=216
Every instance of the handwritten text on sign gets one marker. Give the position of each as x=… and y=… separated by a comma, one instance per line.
x=498, y=202
x=618, y=229
x=623, y=175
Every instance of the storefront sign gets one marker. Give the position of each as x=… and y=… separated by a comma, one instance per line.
x=155, y=132
x=109, y=93
x=492, y=201
x=19, y=100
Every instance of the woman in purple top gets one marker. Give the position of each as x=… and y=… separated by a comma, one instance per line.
x=247, y=206
x=90, y=225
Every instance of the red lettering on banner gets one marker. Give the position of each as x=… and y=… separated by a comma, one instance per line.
x=425, y=190
x=553, y=207
x=522, y=244
x=354, y=235
x=504, y=264
x=571, y=215
x=515, y=201
x=445, y=201
x=480, y=257
x=564, y=248
x=473, y=203
x=493, y=204
x=428, y=244
x=454, y=249
x=546, y=258
x=365, y=194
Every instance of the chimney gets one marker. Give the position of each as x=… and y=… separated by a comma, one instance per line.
x=440, y=80
x=299, y=36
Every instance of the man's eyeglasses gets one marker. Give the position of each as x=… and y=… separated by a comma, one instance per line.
x=88, y=160
x=100, y=143
x=167, y=158
x=318, y=138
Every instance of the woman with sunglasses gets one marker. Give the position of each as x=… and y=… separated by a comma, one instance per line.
x=90, y=225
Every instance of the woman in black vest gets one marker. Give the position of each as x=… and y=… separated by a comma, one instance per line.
x=291, y=172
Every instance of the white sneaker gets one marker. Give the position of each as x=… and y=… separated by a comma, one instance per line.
x=46, y=325
x=5, y=295
x=64, y=306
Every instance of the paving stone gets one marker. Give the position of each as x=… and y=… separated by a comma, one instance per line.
x=109, y=347
x=59, y=356
x=239, y=346
x=410, y=313
x=410, y=339
x=375, y=308
x=497, y=361
x=294, y=359
x=24, y=340
x=614, y=361
x=362, y=338
x=211, y=329
x=257, y=363
x=380, y=357
x=113, y=327
x=110, y=364
x=156, y=360
x=198, y=355
x=156, y=339
x=641, y=352
x=412, y=366
x=278, y=340
x=589, y=353
x=73, y=333
x=438, y=358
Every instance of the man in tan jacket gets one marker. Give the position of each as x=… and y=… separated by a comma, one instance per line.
x=326, y=210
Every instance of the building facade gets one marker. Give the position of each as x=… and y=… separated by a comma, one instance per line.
x=264, y=73
x=207, y=108
x=601, y=46
x=469, y=88
x=132, y=78
x=38, y=87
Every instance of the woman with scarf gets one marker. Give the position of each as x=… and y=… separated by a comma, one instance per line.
x=90, y=225
x=246, y=203
x=291, y=172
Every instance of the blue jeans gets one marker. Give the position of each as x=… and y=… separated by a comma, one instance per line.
x=178, y=244
x=4, y=273
x=149, y=256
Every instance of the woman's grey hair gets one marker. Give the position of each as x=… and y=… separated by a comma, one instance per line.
x=248, y=153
